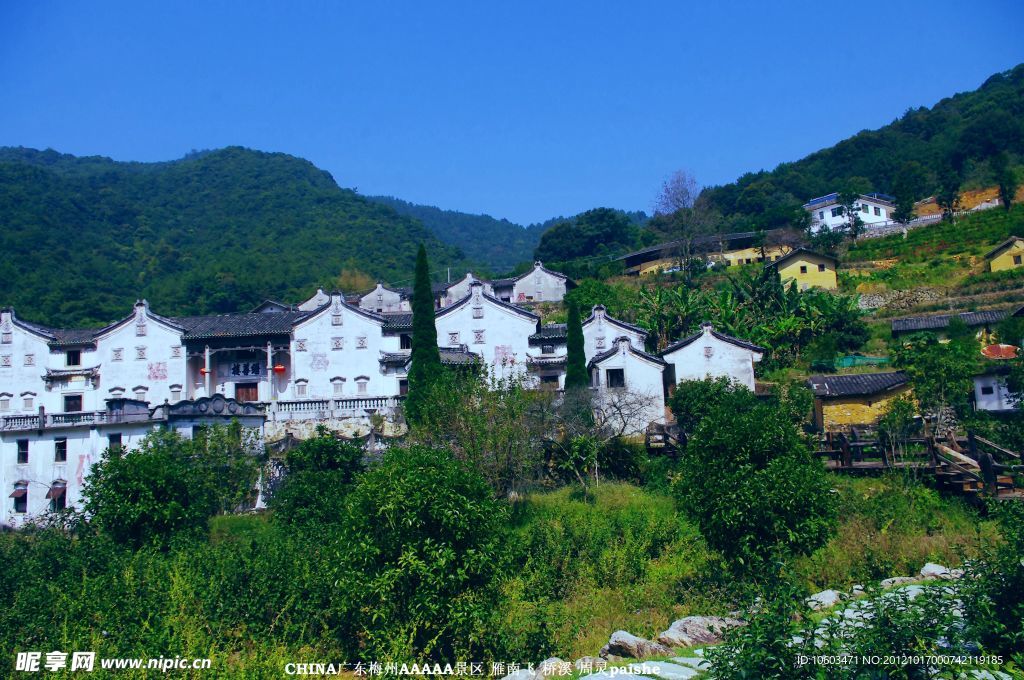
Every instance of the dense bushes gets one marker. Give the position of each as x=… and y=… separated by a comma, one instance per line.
x=749, y=479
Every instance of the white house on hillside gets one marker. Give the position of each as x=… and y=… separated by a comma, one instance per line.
x=712, y=354
x=827, y=211
x=384, y=300
x=629, y=387
x=537, y=285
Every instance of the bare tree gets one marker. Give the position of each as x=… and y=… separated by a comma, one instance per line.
x=679, y=191
x=683, y=213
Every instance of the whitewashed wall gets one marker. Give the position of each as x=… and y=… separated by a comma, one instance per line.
x=707, y=356
x=999, y=398
x=643, y=382
x=538, y=285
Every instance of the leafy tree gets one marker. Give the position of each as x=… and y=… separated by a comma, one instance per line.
x=426, y=357
x=906, y=189
x=948, y=197
x=854, y=224
x=576, y=375
x=318, y=473
x=168, y=486
x=1006, y=178
x=749, y=479
x=600, y=231
x=424, y=542
x=942, y=374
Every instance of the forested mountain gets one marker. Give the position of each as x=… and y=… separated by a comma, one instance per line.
x=215, y=231
x=498, y=245
x=953, y=141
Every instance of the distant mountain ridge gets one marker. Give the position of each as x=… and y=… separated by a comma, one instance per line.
x=495, y=244
x=212, y=232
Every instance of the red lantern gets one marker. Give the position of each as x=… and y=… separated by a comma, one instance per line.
x=279, y=368
x=205, y=371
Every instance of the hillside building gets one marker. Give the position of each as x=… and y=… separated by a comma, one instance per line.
x=827, y=211
x=710, y=354
x=728, y=250
x=841, y=401
x=1007, y=255
x=808, y=269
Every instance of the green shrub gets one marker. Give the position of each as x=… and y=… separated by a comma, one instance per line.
x=422, y=539
x=749, y=479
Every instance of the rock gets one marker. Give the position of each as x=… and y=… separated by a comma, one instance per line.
x=932, y=570
x=626, y=644
x=956, y=573
x=521, y=674
x=662, y=669
x=552, y=667
x=590, y=663
x=857, y=590
x=896, y=581
x=697, y=630
x=694, y=662
x=824, y=599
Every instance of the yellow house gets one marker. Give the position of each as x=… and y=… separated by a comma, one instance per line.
x=728, y=249
x=808, y=268
x=855, y=399
x=1006, y=255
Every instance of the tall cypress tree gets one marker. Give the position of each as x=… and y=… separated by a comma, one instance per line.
x=576, y=361
x=426, y=358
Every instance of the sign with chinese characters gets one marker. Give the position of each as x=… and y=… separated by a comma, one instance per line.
x=243, y=369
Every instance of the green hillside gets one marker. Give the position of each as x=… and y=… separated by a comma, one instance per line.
x=498, y=245
x=212, y=232
x=957, y=137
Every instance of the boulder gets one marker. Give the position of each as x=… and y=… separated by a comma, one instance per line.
x=824, y=599
x=624, y=644
x=896, y=581
x=697, y=630
x=932, y=570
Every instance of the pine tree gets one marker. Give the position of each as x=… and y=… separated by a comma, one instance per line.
x=576, y=361
x=426, y=358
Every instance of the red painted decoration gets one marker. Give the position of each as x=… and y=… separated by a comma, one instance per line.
x=279, y=368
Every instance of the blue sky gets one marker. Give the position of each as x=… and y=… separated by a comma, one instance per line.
x=520, y=110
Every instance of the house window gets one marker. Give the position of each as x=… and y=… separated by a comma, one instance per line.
x=821, y=214
x=5, y=402
x=339, y=386
x=478, y=337
x=836, y=212
x=5, y=360
x=140, y=393
x=60, y=450
x=1016, y=259
x=878, y=212
x=600, y=342
x=615, y=377
x=20, y=497
x=453, y=338
x=28, y=403
x=803, y=269
x=300, y=345
x=549, y=381
x=864, y=208
x=72, y=403
x=987, y=389
x=337, y=320
x=58, y=495
x=7, y=338
x=337, y=343
x=361, y=342
x=30, y=359
x=117, y=354
x=361, y=385
x=175, y=392
x=73, y=357
x=403, y=387
x=22, y=452
x=405, y=341
x=300, y=388
x=547, y=349
x=114, y=441
x=176, y=352
x=140, y=328
x=140, y=352
x=478, y=312
x=821, y=267
x=116, y=392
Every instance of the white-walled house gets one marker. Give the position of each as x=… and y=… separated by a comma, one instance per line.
x=629, y=389
x=496, y=331
x=709, y=353
x=537, y=285
x=384, y=300
x=827, y=211
x=462, y=288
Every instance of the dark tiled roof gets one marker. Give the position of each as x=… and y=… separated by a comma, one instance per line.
x=458, y=356
x=858, y=384
x=909, y=324
x=697, y=241
x=397, y=321
x=598, y=358
x=800, y=251
x=551, y=331
x=679, y=344
x=503, y=283
x=1002, y=245
x=507, y=305
x=239, y=325
x=395, y=358
x=73, y=337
